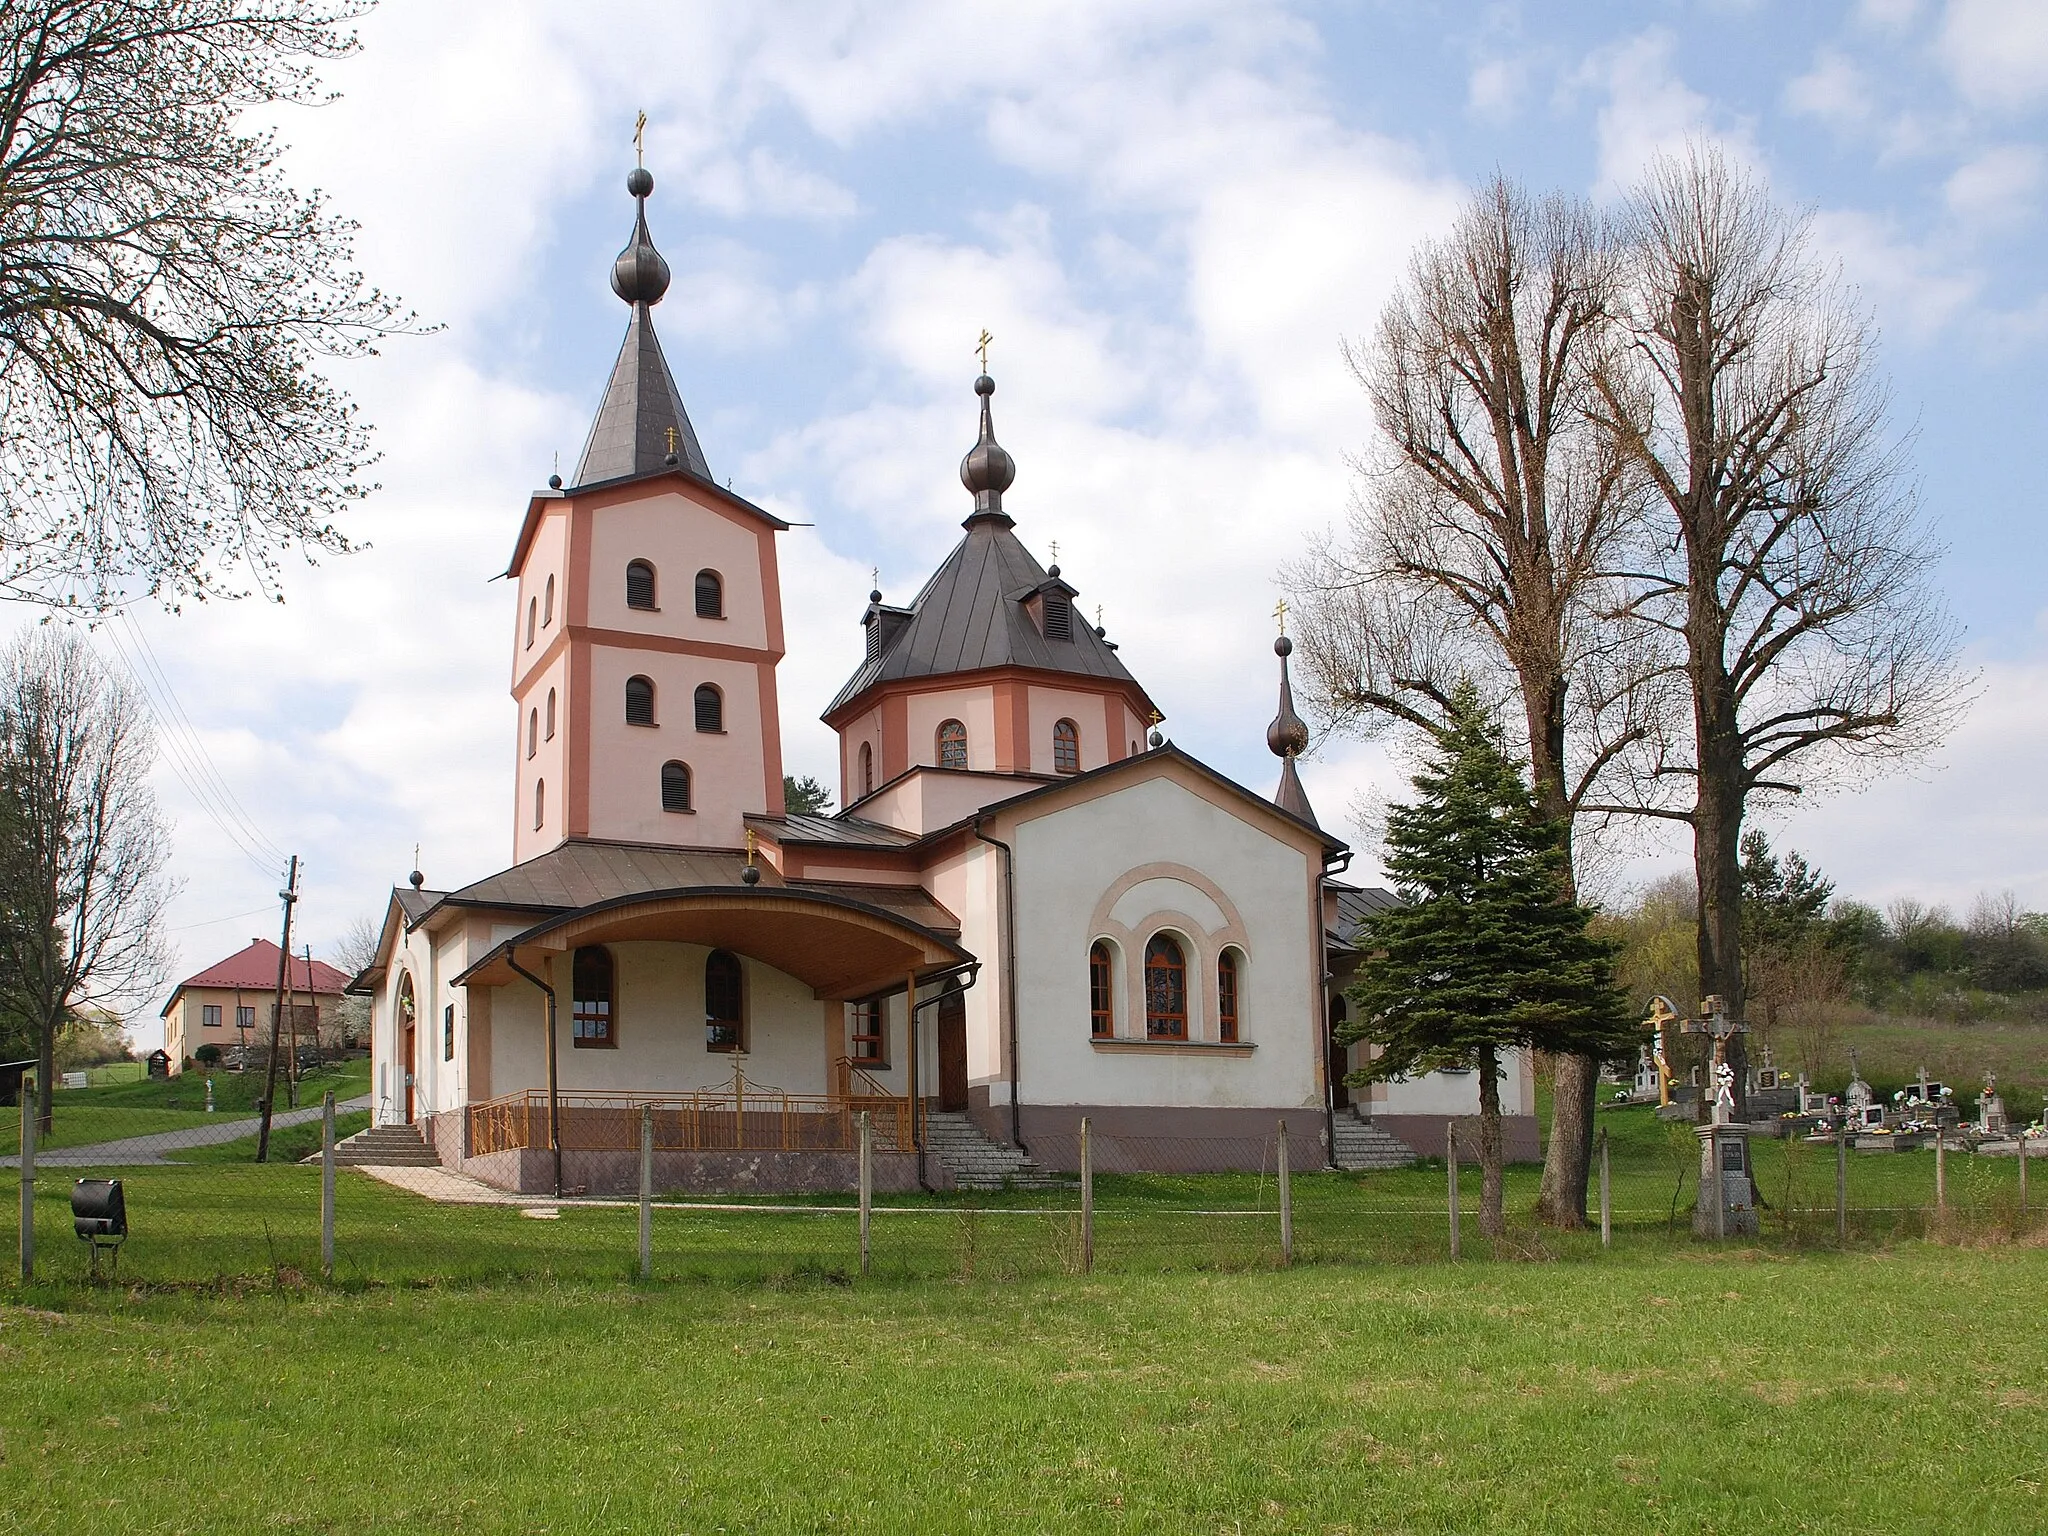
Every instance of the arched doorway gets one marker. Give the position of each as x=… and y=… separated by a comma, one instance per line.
x=953, y=1048
x=408, y=1038
x=1340, y=1055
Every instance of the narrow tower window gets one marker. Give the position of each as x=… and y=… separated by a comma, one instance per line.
x=952, y=744
x=1066, y=747
x=551, y=715
x=532, y=613
x=591, y=1009
x=639, y=584
x=1166, y=989
x=532, y=731
x=639, y=701
x=1226, y=997
x=547, y=607
x=710, y=705
x=675, y=786
x=540, y=803
x=867, y=769
x=710, y=596
x=1101, y=1000
x=724, y=1026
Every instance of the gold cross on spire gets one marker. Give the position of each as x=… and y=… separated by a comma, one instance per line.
x=752, y=844
x=1157, y=717
x=1280, y=613
x=640, y=139
x=981, y=346
x=671, y=439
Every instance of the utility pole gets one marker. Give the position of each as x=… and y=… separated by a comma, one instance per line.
x=291, y=1039
x=289, y=896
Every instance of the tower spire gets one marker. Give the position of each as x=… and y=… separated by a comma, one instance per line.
x=988, y=470
x=1287, y=736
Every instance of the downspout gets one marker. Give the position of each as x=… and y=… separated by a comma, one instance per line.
x=1328, y=1035
x=971, y=969
x=554, y=1101
x=1005, y=946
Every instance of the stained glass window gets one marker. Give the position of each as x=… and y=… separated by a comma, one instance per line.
x=1101, y=1006
x=1166, y=989
x=724, y=1028
x=1226, y=996
x=952, y=744
x=590, y=1011
x=1066, y=747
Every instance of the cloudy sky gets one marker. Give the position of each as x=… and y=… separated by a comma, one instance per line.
x=1169, y=214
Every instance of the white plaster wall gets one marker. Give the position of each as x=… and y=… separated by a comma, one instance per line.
x=1457, y=1093
x=1069, y=859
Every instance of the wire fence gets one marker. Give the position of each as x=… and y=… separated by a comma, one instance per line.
x=200, y=1210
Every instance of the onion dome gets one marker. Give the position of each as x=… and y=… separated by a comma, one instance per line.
x=988, y=470
x=640, y=276
x=1288, y=738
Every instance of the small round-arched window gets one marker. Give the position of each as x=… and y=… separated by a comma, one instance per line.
x=547, y=608
x=710, y=708
x=675, y=786
x=1101, y=994
x=867, y=769
x=550, y=729
x=1229, y=976
x=1166, y=989
x=639, y=584
x=1066, y=747
x=710, y=595
x=540, y=803
x=532, y=731
x=952, y=740
x=639, y=701
x=532, y=616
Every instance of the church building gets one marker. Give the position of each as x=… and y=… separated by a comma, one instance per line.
x=1032, y=908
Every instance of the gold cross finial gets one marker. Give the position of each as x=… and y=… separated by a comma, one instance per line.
x=1280, y=613
x=1055, y=551
x=1157, y=717
x=671, y=439
x=750, y=845
x=1098, y=615
x=981, y=346
x=640, y=139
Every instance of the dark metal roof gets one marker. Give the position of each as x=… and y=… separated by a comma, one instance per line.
x=416, y=904
x=578, y=873
x=971, y=616
x=1290, y=796
x=641, y=404
x=1354, y=906
x=834, y=831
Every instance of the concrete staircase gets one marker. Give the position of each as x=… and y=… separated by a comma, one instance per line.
x=384, y=1146
x=977, y=1162
x=1363, y=1147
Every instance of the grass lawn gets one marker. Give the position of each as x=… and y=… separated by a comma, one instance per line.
x=150, y=1106
x=1900, y=1390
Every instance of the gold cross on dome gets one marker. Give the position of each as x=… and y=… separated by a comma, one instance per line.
x=640, y=139
x=981, y=346
x=1280, y=613
x=752, y=843
x=1157, y=717
x=671, y=439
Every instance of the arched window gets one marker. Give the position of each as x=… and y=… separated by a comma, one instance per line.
x=532, y=613
x=867, y=769
x=710, y=595
x=710, y=704
x=639, y=701
x=952, y=744
x=532, y=731
x=448, y=1033
x=639, y=584
x=724, y=1021
x=1101, y=997
x=1166, y=989
x=1227, y=969
x=675, y=786
x=593, y=1022
x=1066, y=747
x=547, y=608
x=550, y=728
x=540, y=803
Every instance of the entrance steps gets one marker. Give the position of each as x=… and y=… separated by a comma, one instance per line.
x=1363, y=1147
x=976, y=1161
x=384, y=1146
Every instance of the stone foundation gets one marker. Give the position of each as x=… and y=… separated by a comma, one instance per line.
x=530, y=1171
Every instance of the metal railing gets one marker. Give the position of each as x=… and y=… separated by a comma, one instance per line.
x=738, y=1116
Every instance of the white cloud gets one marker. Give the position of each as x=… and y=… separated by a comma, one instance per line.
x=1996, y=51
x=1913, y=287
x=1648, y=111
x=1494, y=90
x=1834, y=90
x=1888, y=15
x=1999, y=187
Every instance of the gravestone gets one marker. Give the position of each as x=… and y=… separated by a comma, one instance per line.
x=1991, y=1119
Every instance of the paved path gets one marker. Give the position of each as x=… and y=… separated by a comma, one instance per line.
x=148, y=1151
x=443, y=1185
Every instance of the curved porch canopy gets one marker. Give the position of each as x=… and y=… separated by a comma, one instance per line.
x=842, y=947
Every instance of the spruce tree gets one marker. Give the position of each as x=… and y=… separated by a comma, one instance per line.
x=1490, y=953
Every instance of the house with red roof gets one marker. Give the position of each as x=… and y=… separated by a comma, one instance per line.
x=229, y=1003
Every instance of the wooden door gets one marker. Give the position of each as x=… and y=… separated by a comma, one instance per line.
x=411, y=1059
x=1340, y=1058
x=953, y=1051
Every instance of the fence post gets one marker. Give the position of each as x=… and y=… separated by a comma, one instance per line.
x=327, y=1185
x=1286, y=1199
x=1606, y=1196
x=2023, y=1173
x=1451, y=1158
x=1842, y=1185
x=1940, y=1172
x=867, y=1185
x=1087, y=1202
x=646, y=1191
x=28, y=1177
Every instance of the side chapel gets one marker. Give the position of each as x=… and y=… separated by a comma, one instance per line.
x=1032, y=908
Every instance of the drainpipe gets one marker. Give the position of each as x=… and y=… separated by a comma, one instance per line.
x=971, y=969
x=554, y=1101
x=1005, y=941
x=1331, y=867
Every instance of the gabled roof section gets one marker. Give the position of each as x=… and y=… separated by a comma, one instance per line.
x=842, y=831
x=973, y=615
x=255, y=970
x=640, y=410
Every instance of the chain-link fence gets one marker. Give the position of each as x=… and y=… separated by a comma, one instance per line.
x=200, y=1210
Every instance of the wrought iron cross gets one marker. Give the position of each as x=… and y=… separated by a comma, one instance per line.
x=981, y=346
x=640, y=139
x=1055, y=551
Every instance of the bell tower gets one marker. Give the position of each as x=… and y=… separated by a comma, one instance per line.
x=649, y=619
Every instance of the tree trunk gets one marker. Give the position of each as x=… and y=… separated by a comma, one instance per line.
x=1717, y=843
x=1492, y=1222
x=46, y=1073
x=1568, y=1157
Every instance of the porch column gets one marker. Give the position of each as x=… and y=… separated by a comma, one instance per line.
x=910, y=1036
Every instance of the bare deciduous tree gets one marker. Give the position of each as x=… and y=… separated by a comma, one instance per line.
x=83, y=874
x=1793, y=573
x=1480, y=539
x=354, y=952
x=165, y=299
